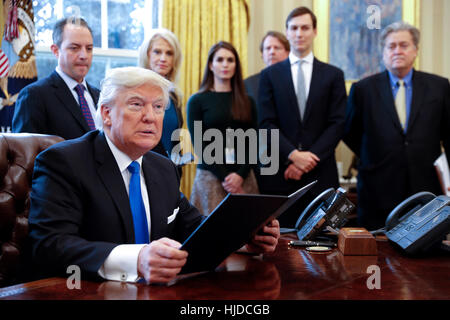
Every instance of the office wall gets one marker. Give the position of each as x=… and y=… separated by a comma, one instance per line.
x=435, y=42
x=434, y=24
x=267, y=15
x=434, y=51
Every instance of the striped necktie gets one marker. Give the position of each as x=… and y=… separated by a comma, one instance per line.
x=84, y=106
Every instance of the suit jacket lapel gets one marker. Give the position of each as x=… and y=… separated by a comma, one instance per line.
x=112, y=179
x=314, y=90
x=94, y=94
x=157, y=215
x=286, y=78
x=63, y=93
x=419, y=89
x=387, y=99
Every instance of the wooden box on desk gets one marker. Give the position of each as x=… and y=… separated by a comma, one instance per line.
x=357, y=242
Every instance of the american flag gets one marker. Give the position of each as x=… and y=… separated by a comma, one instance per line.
x=4, y=65
x=12, y=28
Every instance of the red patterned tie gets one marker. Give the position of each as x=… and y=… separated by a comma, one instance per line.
x=84, y=106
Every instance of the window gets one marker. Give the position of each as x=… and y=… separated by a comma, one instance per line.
x=118, y=27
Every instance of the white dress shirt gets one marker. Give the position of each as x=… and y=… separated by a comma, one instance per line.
x=307, y=67
x=121, y=264
x=71, y=84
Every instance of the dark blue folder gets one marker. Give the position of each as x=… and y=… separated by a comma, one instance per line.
x=231, y=225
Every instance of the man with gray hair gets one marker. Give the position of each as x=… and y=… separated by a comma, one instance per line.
x=396, y=121
x=62, y=103
x=274, y=48
x=105, y=203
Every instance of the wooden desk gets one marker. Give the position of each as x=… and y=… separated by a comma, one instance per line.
x=288, y=274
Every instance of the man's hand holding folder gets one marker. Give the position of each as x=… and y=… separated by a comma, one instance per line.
x=241, y=222
x=265, y=241
x=161, y=260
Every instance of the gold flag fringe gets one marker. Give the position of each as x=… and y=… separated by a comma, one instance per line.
x=24, y=69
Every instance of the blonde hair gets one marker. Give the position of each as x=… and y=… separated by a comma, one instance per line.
x=146, y=46
x=128, y=77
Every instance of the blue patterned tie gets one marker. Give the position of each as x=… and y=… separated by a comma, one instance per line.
x=137, y=205
x=84, y=106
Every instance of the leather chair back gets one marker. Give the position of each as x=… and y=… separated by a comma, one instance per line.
x=17, y=154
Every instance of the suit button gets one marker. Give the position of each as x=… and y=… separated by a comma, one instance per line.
x=406, y=143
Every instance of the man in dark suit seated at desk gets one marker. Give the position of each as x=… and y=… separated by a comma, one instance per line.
x=396, y=122
x=97, y=201
x=63, y=103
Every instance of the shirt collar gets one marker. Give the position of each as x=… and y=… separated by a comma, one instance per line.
x=68, y=80
x=407, y=79
x=294, y=59
x=122, y=159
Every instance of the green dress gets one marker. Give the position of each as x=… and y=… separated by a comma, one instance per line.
x=212, y=110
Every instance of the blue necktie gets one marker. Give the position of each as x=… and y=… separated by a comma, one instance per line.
x=84, y=106
x=137, y=205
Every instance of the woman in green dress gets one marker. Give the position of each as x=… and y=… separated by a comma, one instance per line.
x=222, y=106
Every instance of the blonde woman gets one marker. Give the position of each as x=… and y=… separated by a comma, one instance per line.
x=161, y=53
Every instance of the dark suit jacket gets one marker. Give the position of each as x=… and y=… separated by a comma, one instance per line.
x=48, y=107
x=394, y=164
x=80, y=208
x=320, y=130
x=252, y=86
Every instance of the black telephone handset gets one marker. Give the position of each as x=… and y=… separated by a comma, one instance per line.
x=330, y=208
x=419, y=222
x=313, y=206
x=406, y=207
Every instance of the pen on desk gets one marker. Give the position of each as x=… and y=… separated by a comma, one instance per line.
x=308, y=243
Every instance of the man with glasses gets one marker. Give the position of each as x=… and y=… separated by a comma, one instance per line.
x=396, y=121
x=274, y=48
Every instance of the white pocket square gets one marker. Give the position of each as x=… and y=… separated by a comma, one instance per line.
x=173, y=215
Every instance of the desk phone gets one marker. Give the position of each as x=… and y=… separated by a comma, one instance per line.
x=419, y=222
x=330, y=208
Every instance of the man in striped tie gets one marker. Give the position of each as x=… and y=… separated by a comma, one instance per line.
x=63, y=103
x=397, y=122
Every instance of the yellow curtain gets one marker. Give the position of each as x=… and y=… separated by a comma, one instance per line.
x=199, y=24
